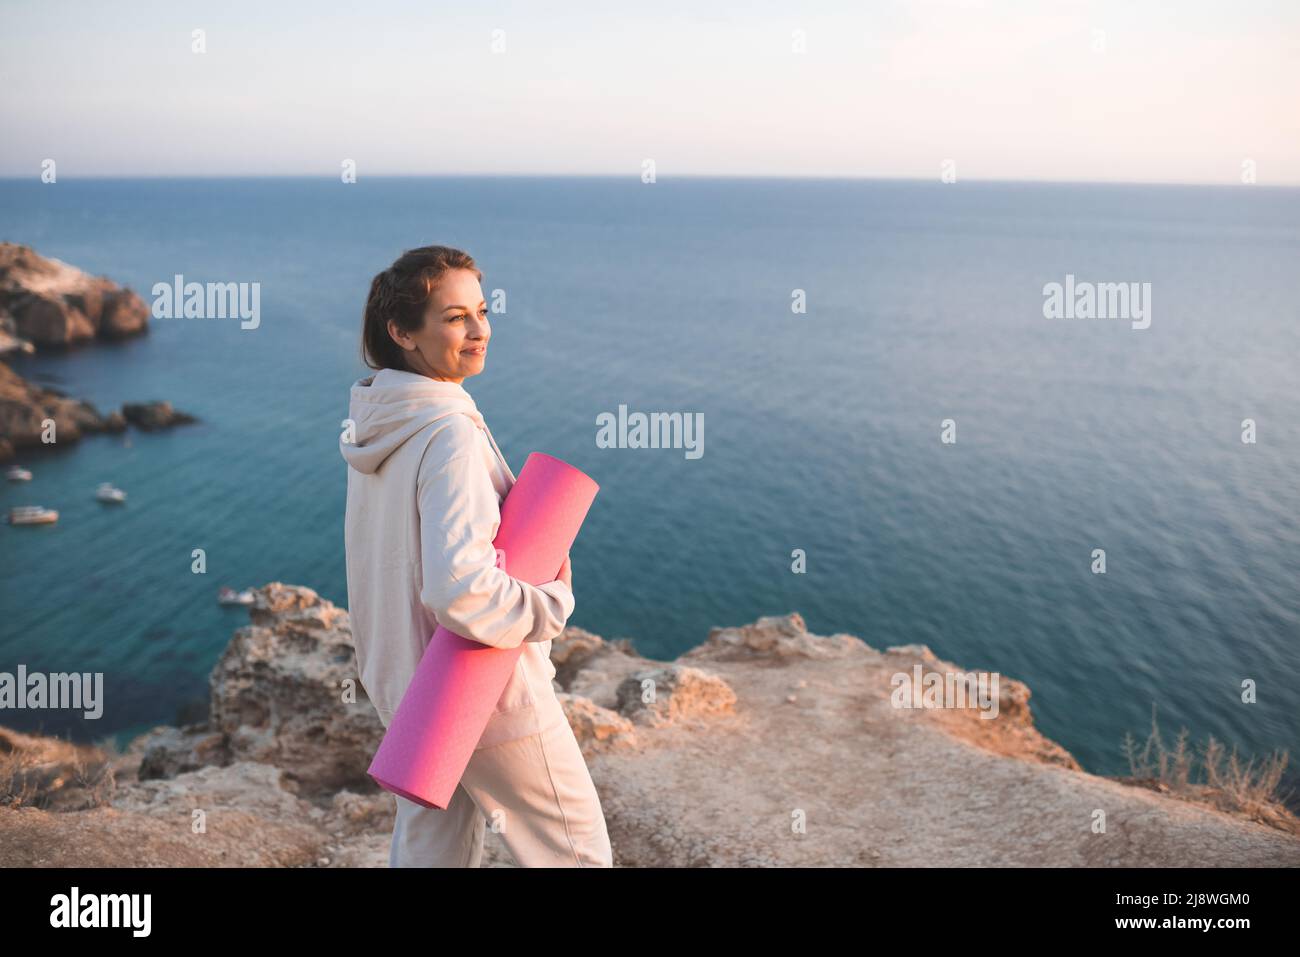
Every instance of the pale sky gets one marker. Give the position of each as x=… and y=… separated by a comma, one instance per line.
x=1104, y=90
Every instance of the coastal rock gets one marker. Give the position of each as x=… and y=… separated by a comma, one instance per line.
x=662, y=696
x=590, y=667
x=151, y=416
x=54, y=304
x=246, y=786
x=24, y=407
x=235, y=816
x=167, y=751
x=47, y=303
x=596, y=728
x=783, y=725
x=917, y=651
x=773, y=638
x=1011, y=733
x=285, y=692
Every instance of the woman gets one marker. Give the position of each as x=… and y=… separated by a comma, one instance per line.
x=425, y=485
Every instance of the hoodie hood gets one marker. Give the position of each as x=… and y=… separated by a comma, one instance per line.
x=391, y=406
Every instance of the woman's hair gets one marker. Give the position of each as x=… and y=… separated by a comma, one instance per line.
x=401, y=293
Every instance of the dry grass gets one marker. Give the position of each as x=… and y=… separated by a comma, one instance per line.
x=17, y=789
x=55, y=775
x=1226, y=783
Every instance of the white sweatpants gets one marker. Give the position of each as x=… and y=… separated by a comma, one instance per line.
x=537, y=793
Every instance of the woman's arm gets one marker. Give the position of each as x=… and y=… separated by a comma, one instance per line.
x=462, y=585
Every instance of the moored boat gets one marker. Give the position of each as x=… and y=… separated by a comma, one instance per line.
x=107, y=493
x=32, y=515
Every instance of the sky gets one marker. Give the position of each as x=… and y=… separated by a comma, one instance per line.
x=1073, y=90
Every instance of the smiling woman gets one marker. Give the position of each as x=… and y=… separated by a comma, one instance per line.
x=426, y=314
x=426, y=482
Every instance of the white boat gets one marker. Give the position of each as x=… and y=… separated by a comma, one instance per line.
x=32, y=515
x=228, y=596
x=16, y=473
x=107, y=493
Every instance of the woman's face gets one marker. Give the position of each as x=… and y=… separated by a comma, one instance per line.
x=452, y=344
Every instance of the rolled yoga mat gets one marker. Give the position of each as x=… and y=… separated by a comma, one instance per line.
x=455, y=689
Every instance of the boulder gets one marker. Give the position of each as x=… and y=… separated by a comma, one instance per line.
x=661, y=696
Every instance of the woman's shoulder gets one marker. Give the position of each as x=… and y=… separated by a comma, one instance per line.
x=454, y=437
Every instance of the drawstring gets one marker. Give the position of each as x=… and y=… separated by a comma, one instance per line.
x=504, y=463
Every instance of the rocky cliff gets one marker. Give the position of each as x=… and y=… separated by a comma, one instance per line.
x=765, y=745
x=53, y=304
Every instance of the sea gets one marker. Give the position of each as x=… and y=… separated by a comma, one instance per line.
x=901, y=439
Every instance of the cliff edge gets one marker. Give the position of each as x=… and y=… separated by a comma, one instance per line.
x=764, y=746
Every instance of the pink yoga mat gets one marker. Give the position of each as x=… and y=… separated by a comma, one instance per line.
x=447, y=705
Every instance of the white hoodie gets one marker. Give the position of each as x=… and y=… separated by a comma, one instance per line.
x=425, y=485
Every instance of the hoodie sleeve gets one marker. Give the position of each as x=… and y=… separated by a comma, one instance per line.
x=462, y=585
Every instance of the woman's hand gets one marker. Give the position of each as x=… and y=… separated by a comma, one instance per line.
x=566, y=573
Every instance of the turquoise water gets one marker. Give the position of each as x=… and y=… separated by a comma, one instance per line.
x=821, y=430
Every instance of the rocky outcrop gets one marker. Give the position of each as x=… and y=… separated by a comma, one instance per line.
x=670, y=694
x=54, y=304
x=24, y=407
x=766, y=745
x=45, y=303
x=152, y=416
x=285, y=692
